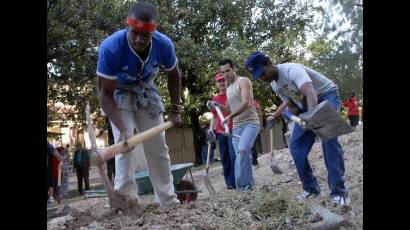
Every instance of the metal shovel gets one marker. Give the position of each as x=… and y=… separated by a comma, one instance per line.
x=323, y=120
x=208, y=183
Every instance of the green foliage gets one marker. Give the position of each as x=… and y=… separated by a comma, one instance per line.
x=74, y=30
x=338, y=53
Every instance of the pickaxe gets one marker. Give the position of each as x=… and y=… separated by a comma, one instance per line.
x=101, y=156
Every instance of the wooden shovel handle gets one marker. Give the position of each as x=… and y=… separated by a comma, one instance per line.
x=109, y=152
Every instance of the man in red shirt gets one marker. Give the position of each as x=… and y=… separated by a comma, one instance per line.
x=226, y=150
x=353, y=110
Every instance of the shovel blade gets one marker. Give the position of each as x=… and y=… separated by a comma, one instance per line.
x=325, y=121
x=208, y=185
x=274, y=166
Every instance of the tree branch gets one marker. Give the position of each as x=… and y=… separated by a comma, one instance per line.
x=343, y=32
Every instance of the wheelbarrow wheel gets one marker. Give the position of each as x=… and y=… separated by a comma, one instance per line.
x=187, y=196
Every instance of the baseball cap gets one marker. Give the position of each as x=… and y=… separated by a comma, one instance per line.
x=219, y=76
x=254, y=64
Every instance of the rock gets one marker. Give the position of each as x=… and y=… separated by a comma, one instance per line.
x=248, y=217
x=288, y=220
x=315, y=218
x=58, y=212
x=247, y=214
x=58, y=223
x=286, y=180
x=330, y=220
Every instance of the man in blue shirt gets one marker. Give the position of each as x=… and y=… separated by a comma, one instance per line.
x=128, y=64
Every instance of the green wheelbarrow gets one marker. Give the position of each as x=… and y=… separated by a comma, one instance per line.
x=186, y=190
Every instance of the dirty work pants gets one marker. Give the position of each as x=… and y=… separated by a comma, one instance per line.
x=156, y=155
x=243, y=162
x=300, y=145
x=82, y=173
x=227, y=154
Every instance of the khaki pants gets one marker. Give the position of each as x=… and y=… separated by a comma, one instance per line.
x=156, y=154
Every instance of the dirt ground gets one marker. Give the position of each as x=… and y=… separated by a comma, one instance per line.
x=270, y=205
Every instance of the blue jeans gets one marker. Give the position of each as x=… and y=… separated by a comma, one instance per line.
x=204, y=154
x=227, y=154
x=300, y=145
x=243, y=162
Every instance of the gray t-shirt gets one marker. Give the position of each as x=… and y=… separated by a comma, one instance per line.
x=292, y=76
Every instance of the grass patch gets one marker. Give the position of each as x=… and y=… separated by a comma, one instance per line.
x=278, y=210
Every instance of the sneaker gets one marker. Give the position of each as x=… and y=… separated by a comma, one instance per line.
x=175, y=204
x=305, y=194
x=247, y=188
x=51, y=200
x=340, y=200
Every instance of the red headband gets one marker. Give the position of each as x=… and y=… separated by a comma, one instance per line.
x=140, y=26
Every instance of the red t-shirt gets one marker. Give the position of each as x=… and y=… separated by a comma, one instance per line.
x=221, y=99
x=54, y=166
x=351, y=105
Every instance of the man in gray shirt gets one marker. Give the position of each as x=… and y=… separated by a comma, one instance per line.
x=302, y=88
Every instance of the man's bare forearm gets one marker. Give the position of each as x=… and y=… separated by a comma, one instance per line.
x=280, y=109
x=310, y=94
x=311, y=101
x=212, y=124
x=174, y=86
